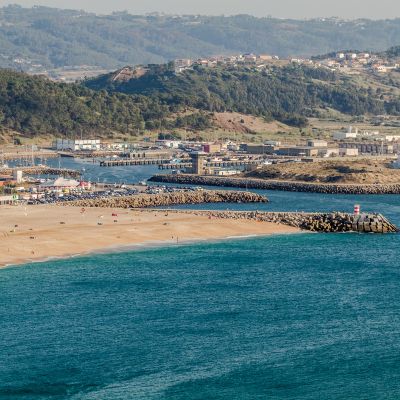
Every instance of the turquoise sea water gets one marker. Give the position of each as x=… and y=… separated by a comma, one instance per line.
x=307, y=316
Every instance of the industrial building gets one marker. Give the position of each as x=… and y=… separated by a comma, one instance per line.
x=297, y=151
x=368, y=147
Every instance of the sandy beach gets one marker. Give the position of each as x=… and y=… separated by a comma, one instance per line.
x=34, y=233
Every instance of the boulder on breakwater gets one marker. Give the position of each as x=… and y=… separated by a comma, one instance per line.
x=170, y=199
x=288, y=186
x=313, y=222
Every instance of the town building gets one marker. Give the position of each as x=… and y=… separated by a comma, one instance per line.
x=348, y=152
x=297, y=151
x=198, y=158
x=169, y=144
x=317, y=143
x=344, y=135
x=257, y=148
x=60, y=184
x=17, y=176
x=225, y=172
x=77, y=144
x=211, y=148
x=8, y=199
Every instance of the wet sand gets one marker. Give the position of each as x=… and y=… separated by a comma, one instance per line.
x=35, y=233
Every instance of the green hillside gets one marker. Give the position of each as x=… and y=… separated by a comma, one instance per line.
x=161, y=99
x=34, y=105
x=288, y=94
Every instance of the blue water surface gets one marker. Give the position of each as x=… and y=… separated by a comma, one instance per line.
x=307, y=316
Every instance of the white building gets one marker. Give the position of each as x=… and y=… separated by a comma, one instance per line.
x=60, y=184
x=347, y=152
x=169, y=144
x=226, y=172
x=77, y=144
x=17, y=176
x=317, y=143
x=10, y=199
x=391, y=138
x=344, y=135
x=272, y=142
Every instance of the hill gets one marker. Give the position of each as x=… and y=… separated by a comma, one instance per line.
x=236, y=99
x=288, y=94
x=42, y=37
x=35, y=106
x=346, y=172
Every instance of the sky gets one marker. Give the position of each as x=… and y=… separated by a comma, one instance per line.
x=350, y=9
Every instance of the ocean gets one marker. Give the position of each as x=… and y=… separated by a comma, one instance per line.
x=307, y=316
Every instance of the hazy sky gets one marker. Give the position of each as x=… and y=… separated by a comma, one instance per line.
x=277, y=8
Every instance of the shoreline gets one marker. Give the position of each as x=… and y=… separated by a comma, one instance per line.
x=43, y=233
x=145, y=246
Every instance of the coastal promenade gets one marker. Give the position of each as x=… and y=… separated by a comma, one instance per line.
x=251, y=183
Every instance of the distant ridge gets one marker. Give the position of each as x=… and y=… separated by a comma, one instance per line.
x=42, y=37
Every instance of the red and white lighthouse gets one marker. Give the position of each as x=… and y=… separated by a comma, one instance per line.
x=357, y=209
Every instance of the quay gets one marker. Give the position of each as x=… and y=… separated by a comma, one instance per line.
x=90, y=154
x=27, y=155
x=164, y=163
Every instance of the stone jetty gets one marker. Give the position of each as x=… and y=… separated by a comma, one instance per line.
x=313, y=222
x=251, y=183
x=37, y=170
x=170, y=199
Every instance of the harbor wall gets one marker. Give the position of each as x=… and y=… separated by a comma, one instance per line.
x=250, y=183
x=313, y=222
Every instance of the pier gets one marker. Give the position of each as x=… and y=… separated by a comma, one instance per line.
x=133, y=162
x=165, y=163
x=213, y=164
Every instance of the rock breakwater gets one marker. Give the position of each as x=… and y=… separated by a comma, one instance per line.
x=313, y=222
x=43, y=171
x=288, y=186
x=170, y=199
